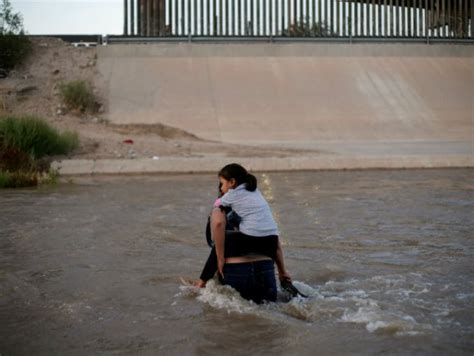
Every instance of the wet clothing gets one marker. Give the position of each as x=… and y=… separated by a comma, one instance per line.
x=253, y=280
x=238, y=244
x=257, y=234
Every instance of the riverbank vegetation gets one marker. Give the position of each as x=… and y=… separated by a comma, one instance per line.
x=26, y=145
x=15, y=46
x=78, y=96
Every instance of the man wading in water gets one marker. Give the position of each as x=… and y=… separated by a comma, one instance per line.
x=244, y=259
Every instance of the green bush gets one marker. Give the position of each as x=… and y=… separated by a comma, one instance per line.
x=78, y=95
x=13, y=159
x=28, y=178
x=18, y=179
x=35, y=137
x=4, y=179
x=13, y=50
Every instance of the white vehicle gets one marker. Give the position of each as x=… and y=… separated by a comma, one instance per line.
x=84, y=44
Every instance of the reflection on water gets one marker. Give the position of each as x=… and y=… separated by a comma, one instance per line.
x=385, y=256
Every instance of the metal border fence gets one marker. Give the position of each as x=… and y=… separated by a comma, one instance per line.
x=306, y=19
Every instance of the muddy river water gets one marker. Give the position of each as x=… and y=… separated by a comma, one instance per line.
x=93, y=267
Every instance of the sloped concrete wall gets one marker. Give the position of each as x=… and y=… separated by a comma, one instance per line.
x=294, y=92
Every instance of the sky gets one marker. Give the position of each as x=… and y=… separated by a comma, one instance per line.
x=71, y=16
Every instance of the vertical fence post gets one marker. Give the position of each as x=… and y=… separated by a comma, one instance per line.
x=436, y=19
x=239, y=17
x=408, y=19
x=422, y=18
x=132, y=17
x=176, y=17
x=465, y=20
x=142, y=17
x=313, y=16
x=326, y=16
x=413, y=9
x=220, y=20
x=281, y=16
x=246, y=17
x=455, y=19
x=459, y=19
x=139, y=17
x=148, y=16
x=360, y=19
x=208, y=17
x=228, y=17
x=162, y=18
x=390, y=8
x=349, y=21
x=441, y=19
x=295, y=15
x=471, y=5
x=169, y=30
x=214, y=18
x=373, y=19
x=270, y=17
x=277, y=17
x=404, y=18
x=344, y=19
x=320, y=15
x=195, y=17
x=125, y=17
x=188, y=21
x=331, y=17
x=153, y=18
x=255, y=17
x=308, y=13
x=447, y=22
x=250, y=21
x=428, y=20
x=363, y=21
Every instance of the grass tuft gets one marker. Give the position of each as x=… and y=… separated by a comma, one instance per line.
x=77, y=95
x=35, y=137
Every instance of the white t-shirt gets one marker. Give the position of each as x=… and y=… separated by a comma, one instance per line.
x=257, y=219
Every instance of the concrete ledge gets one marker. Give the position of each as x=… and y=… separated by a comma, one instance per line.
x=282, y=49
x=213, y=164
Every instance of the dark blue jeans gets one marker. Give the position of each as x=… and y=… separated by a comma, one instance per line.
x=253, y=280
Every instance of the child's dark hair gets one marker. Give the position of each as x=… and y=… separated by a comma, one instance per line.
x=240, y=174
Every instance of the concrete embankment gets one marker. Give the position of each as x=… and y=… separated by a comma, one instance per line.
x=255, y=93
x=212, y=164
x=360, y=106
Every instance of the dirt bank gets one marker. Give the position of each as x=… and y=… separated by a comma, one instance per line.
x=33, y=89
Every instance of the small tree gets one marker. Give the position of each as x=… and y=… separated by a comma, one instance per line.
x=10, y=22
x=14, y=45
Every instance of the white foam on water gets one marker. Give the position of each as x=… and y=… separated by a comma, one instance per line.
x=306, y=289
x=462, y=296
x=393, y=304
x=378, y=320
x=225, y=297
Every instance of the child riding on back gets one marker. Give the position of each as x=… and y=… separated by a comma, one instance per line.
x=244, y=259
